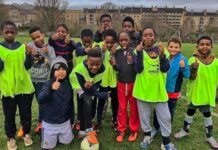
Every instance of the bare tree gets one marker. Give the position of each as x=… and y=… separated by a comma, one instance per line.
x=50, y=13
x=3, y=11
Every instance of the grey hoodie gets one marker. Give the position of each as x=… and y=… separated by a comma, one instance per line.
x=40, y=69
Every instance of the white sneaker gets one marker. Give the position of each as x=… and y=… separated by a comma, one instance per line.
x=212, y=142
x=11, y=143
x=27, y=140
x=181, y=134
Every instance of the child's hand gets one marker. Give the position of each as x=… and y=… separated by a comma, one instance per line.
x=88, y=84
x=161, y=49
x=195, y=65
x=112, y=61
x=28, y=49
x=182, y=63
x=129, y=58
x=55, y=36
x=67, y=39
x=88, y=48
x=114, y=48
x=139, y=47
x=101, y=28
x=56, y=85
x=45, y=49
x=104, y=46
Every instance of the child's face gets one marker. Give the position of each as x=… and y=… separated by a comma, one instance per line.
x=94, y=64
x=174, y=48
x=60, y=73
x=148, y=37
x=9, y=33
x=62, y=32
x=38, y=38
x=204, y=46
x=87, y=41
x=124, y=40
x=106, y=23
x=109, y=40
x=127, y=26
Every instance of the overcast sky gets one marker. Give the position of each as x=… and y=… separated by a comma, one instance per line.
x=210, y=5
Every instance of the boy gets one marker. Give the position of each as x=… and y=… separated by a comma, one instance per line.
x=109, y=79
x=201, y=88
x=179, y=69
x=85, y=80
x=56, y=97
x=16, y=87
x=82, y=48
x=105, y=24
x=40, y=65
x=128, y=26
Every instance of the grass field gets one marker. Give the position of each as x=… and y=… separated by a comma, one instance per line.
x=195, y=141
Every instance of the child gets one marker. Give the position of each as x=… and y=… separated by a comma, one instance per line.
x=85, y=80
x=63, y=45
x=128, y=26
x=109, y=79
x=40, y=69
x=201, y=88
x=178, y=69
x=81, y=53
x=16, y=87
x=57, y=99
x=105, y=24
x=149, y=89
x=123, y=64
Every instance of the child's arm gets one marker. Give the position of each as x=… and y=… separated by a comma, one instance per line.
x=194, y=69
x=52, y=39
x=51, y=54
x=29, y=60
x=164, y=63
x=80, y=50
x=185, y=68
x=1, y=65
x=138, y=59
x=45, y=92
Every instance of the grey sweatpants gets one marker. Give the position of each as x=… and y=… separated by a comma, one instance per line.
x=163, y=116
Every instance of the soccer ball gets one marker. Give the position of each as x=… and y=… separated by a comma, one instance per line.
x=85, y=145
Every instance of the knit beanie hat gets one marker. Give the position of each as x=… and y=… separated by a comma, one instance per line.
x=57, y=63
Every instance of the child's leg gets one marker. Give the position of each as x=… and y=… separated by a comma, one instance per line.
x=101, y=104
x=48, y=136
x=114, y=103
x=65, y=135
x=144, y=110
x=208, y=123
x=38, y=87
x=9, y=109
x=80, y=115
x=79, y=107
x=164, y=119
x=24, y=102
x=188, y=119
x=87, y=109
x=172, y=106
x=122, y=111
x=134, y=115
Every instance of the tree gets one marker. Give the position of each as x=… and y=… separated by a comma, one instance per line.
x=3, y=11
x=50, y=13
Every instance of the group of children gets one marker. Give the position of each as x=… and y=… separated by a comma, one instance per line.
x=125, y=68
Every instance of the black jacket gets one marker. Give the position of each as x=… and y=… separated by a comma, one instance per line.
x=57, y=105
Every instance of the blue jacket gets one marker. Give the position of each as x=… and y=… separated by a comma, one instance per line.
x=176, y=73
x=57, y=105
